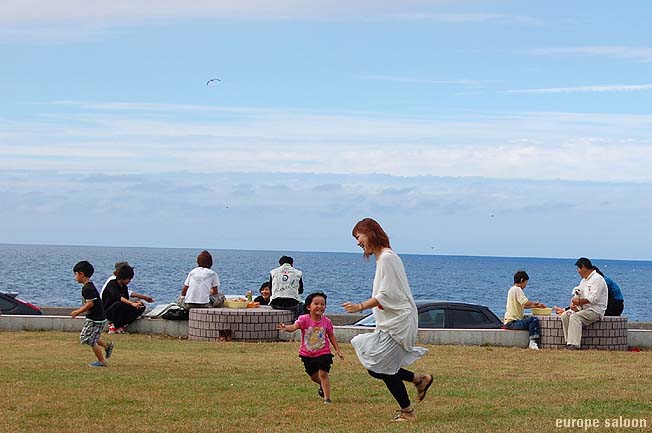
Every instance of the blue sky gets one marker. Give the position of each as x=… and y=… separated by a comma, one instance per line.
x=465, y=127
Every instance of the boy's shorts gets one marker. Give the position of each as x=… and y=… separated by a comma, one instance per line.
x=313, y=365
x=91, y=332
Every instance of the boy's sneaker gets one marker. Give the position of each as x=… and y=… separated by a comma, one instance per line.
x=328, y=401
x=122, y=330
x=112, y=329
x=96, y=364
x=109, y=350
x=533, y=345
x=320, y=392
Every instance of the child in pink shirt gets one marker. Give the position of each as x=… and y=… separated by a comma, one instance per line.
x=315, y=351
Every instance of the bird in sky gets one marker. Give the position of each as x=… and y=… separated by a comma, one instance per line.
x=212, y=80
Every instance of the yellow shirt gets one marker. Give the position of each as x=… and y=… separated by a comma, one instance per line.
x=515, y=301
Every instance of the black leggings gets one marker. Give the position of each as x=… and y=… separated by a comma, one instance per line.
x=121, y=314
x=394, y=383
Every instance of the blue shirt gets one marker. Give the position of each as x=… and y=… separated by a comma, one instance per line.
x=614, y=289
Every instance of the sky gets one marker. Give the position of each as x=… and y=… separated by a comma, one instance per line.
x=500, y=128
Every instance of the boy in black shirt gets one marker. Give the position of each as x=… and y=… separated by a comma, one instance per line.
x=95, y=316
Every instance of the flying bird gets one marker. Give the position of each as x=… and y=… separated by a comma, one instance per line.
x=211, y=80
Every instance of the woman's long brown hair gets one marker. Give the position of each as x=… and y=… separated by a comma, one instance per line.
x=375, y=234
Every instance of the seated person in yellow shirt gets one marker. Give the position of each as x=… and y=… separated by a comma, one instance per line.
x=516, y=303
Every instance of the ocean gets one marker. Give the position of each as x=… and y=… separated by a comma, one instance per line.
x=42, y=275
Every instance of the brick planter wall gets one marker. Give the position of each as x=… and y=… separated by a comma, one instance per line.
x=609, y=333
x=250, y=324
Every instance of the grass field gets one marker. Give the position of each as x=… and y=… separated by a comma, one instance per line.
x=156, y=384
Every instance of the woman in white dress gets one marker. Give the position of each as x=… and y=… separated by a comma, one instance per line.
x=391, y=346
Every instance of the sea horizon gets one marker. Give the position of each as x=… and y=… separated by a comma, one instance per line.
x=324, y=251
x=344, y=276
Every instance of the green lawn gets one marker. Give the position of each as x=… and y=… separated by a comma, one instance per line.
x=156, y=384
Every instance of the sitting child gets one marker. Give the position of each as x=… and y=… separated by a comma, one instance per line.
x=120, y=309
x=265, y=294
x=516, y=303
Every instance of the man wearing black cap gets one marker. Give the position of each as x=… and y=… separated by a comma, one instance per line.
x=587, y=306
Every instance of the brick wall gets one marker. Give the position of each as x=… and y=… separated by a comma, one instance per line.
x=250, y=324
x=609, y=333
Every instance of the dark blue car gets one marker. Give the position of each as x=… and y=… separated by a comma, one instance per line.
x=448, y=315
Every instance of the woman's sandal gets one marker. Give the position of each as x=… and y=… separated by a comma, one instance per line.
x=422, y=387
x=405, y=415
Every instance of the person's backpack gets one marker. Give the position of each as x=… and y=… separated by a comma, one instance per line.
x=177, y=313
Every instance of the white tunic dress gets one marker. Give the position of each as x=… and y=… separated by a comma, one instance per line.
x=392, y=345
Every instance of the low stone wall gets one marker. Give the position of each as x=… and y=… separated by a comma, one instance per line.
x=249, y=324
x=467, y=337
x=609, y=333
x=179, y=328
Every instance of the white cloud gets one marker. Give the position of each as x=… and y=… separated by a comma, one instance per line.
x=16, y=11
x=585, y=89
x=174, y=209
x=464, y=18
x=84, y=21
x=54, y=34
x=414, y=80
x=115, y=137
x=635, y=53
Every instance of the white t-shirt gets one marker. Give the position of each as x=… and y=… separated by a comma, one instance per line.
x=594, y=288
x=200, y=281
x=516, y=301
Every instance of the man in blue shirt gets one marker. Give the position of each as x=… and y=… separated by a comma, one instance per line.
x=615, y=301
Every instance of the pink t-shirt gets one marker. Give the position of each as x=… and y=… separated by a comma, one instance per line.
x=314, y=336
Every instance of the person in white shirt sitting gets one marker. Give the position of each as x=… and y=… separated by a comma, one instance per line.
x=201, y=288
x=588, y=307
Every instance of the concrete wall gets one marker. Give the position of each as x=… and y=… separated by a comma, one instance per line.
x=471, y=337
x=174, y=328
x=639, y=338
x=492, y=337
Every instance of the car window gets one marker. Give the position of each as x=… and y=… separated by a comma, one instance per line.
x=467, y=319
x=6, y=305
x=433, y=318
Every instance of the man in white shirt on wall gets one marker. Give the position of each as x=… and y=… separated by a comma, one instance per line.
x=586, y=308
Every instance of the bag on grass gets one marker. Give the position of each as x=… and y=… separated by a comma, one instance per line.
x=176, y=313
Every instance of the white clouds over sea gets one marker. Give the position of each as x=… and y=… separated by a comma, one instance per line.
x=266, y=210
